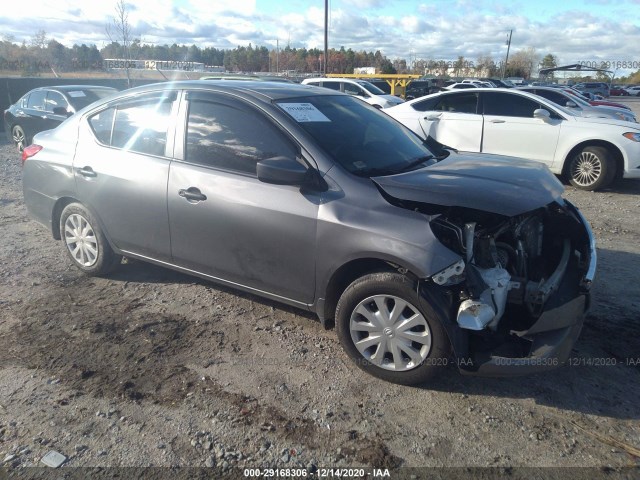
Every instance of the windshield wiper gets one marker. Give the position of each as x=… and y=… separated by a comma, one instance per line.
x=380, y=172
x=415, y=163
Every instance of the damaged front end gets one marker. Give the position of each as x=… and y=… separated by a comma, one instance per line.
x=514, y=303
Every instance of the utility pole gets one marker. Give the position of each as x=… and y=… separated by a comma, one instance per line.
x=277, y=56
x=326, y=34
x=506, y=60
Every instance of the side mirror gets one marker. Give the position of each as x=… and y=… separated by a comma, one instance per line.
x=61, y=111
x=570, y=104
x=282, y=171
x=542, y=114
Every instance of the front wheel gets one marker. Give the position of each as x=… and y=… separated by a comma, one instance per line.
x=592, y=168
x=84, y=241
x=382, y=327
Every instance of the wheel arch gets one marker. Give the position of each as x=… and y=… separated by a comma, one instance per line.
x=614, y=149
x=348, y=273
x=56, y=213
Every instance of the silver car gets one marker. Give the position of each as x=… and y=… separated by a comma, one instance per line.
x=422, y=257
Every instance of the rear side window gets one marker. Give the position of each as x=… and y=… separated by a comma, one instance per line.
x=332, y=85
x=138, y=125
x=458, y=103
x=231, y=136
x=426, y=105
x=101, y=124
x=36, y=99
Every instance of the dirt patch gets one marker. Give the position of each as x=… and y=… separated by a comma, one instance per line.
x=148, y=367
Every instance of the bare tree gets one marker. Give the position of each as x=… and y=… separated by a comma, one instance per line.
x=119, y=31
x=39, y=39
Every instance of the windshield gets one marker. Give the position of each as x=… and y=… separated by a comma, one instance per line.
x=370, y=87
x=360, y=138
x=82, y=97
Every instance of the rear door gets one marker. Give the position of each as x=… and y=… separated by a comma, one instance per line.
x=454, y=121
x=224, y=221
x=33, y=121
x=121, y=168
x=510, y=129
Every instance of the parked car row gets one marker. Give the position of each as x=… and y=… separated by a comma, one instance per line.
x=315, y=199
x=47, y=107
x=589, y=149
x=633, y=91
x=573, y=101
x=360, y=88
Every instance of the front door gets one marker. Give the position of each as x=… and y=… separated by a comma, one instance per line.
x=510, y=129
x=224, y=221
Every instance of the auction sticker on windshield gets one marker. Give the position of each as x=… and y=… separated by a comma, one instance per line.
x=77, y=93
x=304, y=112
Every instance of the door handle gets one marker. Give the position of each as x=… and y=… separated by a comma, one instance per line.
x=495, y=120
x=87, y=172
x=192, y=195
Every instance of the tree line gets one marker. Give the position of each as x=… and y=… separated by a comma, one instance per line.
x=41, y=54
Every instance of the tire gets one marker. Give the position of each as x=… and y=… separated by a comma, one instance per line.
x=592, y=168
x=19, y=137
x=376, y=297
x=85, y=242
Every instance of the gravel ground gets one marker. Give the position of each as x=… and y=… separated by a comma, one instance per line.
x=149, y=367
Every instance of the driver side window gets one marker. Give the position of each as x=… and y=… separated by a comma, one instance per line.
x=232, y=137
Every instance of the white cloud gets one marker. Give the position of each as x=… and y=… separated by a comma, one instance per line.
x=431, y=31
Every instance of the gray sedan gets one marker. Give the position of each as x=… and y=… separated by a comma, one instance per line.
x=421, y=256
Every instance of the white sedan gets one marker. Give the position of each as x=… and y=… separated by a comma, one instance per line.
x=589, y=152
x=634, y=91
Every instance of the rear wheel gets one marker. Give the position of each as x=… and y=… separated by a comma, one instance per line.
x=382, y=327
x=19, y=138
x=592, y=168
x=84, y=241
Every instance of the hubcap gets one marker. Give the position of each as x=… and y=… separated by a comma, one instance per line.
x=586, y=169
x=18, y=138
x=390, y=333
x=81, y=240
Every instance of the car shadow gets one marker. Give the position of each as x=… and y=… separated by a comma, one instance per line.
x=629, y=186
x=136, y=271
x=602, y=377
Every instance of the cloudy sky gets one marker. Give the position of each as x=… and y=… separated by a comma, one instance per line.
x=574, y=31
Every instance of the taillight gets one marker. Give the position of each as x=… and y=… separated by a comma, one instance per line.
x=29, y=152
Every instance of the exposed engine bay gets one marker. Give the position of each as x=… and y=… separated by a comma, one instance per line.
x=511, y=271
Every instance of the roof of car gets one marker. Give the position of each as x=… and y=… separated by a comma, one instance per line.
x=512, y=91
x=262, y=90
x=67, y=88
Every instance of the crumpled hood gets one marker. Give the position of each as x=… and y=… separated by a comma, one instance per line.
x=503, y=185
